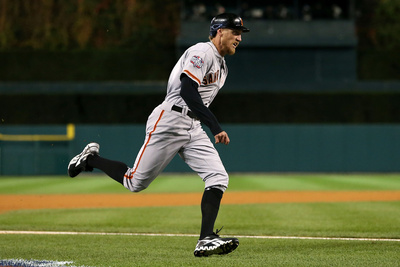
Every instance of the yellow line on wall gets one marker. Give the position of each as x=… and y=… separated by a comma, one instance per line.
x=70, y=135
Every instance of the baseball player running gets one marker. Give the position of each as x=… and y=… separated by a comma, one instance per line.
x=174, y=127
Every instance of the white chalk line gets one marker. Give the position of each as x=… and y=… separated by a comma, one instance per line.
x=5, y=232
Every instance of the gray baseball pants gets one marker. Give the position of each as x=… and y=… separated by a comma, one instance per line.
x=169, y=133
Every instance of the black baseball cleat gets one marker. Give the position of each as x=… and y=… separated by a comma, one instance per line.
x=79, y=162
x=215, y=245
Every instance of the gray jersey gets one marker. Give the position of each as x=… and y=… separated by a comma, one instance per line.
x=169, y=132
x=205, y=66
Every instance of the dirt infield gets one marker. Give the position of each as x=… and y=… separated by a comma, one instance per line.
x=19, y=202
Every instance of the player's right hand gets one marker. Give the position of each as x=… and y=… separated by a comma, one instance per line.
x=222, y=138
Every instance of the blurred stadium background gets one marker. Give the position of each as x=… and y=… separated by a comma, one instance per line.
x=314, y=87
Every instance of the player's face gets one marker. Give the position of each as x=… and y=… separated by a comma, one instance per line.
x=230, y=39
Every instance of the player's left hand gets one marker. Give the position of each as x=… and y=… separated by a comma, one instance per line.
x=222, y=137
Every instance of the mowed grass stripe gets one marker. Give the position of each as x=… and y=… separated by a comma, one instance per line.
x=191, y=183
x=194, y=235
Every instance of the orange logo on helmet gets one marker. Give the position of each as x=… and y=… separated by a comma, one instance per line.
x=241, y=22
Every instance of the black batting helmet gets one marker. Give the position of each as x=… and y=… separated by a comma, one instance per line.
x=226, y=21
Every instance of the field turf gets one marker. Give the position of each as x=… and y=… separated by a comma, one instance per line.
x=282, y=223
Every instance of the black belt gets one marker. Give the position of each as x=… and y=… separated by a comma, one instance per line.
x=189, y=113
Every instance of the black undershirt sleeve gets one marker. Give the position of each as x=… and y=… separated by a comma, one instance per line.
x=191, y=95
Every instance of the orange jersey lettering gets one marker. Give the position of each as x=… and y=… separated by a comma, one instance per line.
x=211, y=78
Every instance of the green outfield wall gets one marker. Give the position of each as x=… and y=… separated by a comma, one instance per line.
x=254, y=148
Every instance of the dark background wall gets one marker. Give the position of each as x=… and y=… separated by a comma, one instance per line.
x=101, y=64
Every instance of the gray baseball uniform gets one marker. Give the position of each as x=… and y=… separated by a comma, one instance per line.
x=170, y=132
x=174, y=128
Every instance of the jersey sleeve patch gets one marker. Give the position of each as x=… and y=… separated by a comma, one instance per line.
x=197, y=61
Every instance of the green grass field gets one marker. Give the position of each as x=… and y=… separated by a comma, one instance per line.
x=379, y=220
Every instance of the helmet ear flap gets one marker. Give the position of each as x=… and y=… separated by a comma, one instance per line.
x=214, y=28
